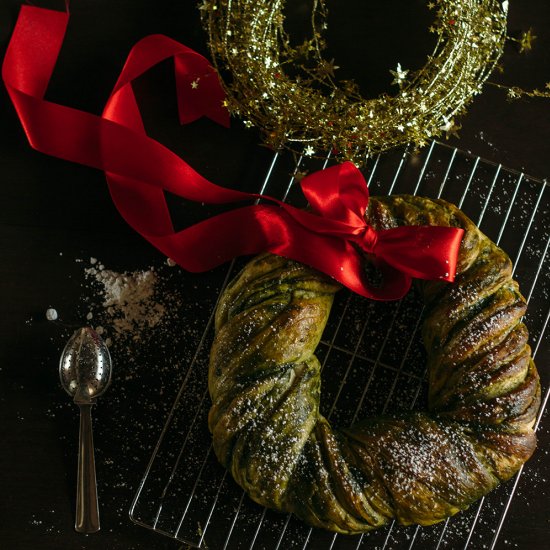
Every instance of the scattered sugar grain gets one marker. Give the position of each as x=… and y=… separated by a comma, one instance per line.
x=51, y=314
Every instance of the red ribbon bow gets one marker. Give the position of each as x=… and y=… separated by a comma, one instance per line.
x=330, y=238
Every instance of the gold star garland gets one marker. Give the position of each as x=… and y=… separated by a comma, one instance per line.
x=304, y=108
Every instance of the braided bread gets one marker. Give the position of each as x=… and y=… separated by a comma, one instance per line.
x=420, y=467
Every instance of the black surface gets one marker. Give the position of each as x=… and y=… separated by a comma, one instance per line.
x=54, y=213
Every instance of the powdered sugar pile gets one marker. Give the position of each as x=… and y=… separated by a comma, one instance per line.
x=129, y=300
x=129, y=306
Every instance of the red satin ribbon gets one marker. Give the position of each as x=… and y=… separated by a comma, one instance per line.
x=330, y=238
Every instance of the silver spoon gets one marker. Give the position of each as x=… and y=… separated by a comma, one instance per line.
x=85, y=372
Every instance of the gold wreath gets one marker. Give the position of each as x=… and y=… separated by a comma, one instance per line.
x=308, y=107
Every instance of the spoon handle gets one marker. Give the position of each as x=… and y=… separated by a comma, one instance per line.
x=87, y=509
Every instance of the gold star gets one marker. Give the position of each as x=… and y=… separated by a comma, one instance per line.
x=326, y=68
x=399, y=75
x=451, y=128
x=309, y=151
x=431, y=5
x=195, y=83
x=421, y=143
x=526, y=41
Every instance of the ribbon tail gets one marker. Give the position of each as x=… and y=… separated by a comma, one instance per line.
x=422, y=252
x=33, y=49
x=199, y=90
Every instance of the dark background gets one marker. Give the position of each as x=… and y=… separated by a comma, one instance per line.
x=55, y=213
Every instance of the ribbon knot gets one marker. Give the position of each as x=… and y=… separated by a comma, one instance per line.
x=139, y=170
x=368, y=239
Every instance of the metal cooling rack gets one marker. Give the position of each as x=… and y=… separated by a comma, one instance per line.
x=374, y=361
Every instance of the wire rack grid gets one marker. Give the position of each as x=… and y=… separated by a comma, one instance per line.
x=372, y=360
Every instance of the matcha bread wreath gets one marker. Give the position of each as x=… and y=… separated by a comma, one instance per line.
x=420, y=467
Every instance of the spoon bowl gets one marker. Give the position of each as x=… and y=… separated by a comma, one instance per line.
x=85, y=366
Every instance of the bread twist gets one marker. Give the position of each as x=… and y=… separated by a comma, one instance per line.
x=421, y=467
